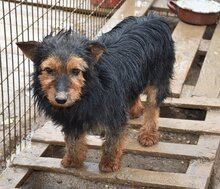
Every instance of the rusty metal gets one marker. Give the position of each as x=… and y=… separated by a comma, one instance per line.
x=23, y=20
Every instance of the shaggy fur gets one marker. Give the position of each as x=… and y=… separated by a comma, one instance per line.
x=136, y=55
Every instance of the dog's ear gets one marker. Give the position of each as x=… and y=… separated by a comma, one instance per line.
x=29, y=48
x=96, y=49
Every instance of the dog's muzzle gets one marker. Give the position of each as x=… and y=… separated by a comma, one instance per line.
x=61, y=97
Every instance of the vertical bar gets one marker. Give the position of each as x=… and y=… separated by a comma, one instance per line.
x=7, y=78
x=3, y=111
x=55, y=19
x=29, y=70
x=33, y=31
x=19, y=78
x=47, y=19
x=42, y=12
x=38, y=30
x=13, y=76
x=51, y=18
x=24, y=80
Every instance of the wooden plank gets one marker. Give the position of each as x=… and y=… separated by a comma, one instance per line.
x=180, y=151
x=208, y=83
x=185, y=36
x=184, y=126
x=187, y=91
x=213, y=116
x=128, y=8
x=13, y=177
x=204, y=46
x=160, y=5
x=202, y=169
x=135, y=177
x=190, y=102
x=195, y=103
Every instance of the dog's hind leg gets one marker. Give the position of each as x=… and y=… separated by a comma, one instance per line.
x=148, y=134
x=136, y=109
x=112, y=152
x=76, y=149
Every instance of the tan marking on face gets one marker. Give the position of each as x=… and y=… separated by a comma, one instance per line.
x=53, y=63
x=76, y=82
x=47, y=80
x=77, y=63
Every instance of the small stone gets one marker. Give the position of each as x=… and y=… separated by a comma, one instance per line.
x=182, y=162
x=106, y=186
x=179, y=139
x=188, y=142
x=59, y=181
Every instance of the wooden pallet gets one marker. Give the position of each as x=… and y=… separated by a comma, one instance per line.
x=204, y=95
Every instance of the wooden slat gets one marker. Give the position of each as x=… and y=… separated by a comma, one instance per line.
x=213, y=116
x=13, y=177
x=187, y=91
x=204, y=46
x=202, y=169
x=187, y=39
x=209, y=79
x=189, y=102
x=128, y=8
x=183, y=126
x=160, y=5
x=172, y=150
x=197, y=103
x=181, y=151
x=136, y=177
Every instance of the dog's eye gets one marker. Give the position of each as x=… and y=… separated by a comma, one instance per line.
x=48, y=70
x=75, y=71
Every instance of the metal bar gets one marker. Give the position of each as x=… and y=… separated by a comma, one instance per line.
x=7, y=81
x=3, y=112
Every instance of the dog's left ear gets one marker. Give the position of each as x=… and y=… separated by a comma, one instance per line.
x=29, y=48
x=96, y=49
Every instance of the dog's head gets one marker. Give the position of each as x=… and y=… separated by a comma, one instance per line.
x=61, y=62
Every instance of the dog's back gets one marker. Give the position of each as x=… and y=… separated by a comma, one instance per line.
x=143, y=48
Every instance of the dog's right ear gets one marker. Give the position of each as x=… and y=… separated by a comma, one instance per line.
x=96, y=49
x=29, y=48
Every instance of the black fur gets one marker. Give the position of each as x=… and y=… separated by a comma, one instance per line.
x=139, y=52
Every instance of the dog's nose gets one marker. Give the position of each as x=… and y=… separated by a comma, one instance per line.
x=61, y=98
x=61, y=101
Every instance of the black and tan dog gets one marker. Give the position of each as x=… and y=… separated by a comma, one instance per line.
x=82, y=84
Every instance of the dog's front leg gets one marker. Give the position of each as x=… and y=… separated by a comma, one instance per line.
x=112, y=152
x=76, y=149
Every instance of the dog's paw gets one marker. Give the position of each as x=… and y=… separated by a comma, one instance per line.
x=108, y=166
x=69, y=161
x=147, y=138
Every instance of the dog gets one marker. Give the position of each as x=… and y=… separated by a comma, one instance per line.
x=82, y=84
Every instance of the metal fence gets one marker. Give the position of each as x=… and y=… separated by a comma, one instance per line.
x=23, y=20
